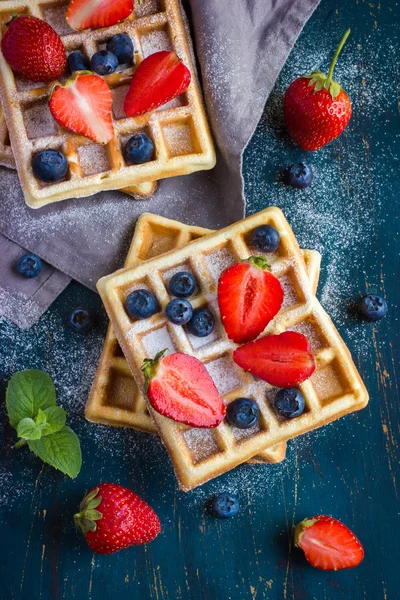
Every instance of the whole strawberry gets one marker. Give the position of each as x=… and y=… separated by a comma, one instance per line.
x=316, y=108
x=33, y=49
x=112, y=517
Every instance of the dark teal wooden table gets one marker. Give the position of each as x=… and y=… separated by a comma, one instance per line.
x=348, y=469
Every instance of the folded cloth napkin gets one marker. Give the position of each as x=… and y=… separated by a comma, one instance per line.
x=241, y=45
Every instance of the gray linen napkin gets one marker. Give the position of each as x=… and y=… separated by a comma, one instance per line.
x=241, y=45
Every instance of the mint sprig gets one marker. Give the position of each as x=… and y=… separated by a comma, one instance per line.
x=40, y=423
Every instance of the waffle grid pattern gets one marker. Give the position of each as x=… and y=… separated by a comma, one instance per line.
x=6, y=155
x=140, y=191
x=115, y=398
x=179, y=130
x=334, y=390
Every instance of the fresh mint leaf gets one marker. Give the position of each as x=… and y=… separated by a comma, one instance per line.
x=41, y=416
x=54, y=417
x=61, y=450
x=27, y=392
x=28, y=430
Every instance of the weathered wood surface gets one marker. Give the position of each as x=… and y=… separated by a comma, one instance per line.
x=350, y=469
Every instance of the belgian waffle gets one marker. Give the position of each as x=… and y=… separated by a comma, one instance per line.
x=6, y=155
x=179, y=129
x=139, y=191
x=334, y=390
x=115, y=398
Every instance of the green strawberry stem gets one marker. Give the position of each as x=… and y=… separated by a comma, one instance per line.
x=85, y=519
x=335, y=57
x=259, y=261
x=149, y=367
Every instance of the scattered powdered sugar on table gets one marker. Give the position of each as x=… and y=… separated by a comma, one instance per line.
x=340, y=213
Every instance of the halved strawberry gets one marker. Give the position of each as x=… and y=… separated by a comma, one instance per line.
x=249, y=297
x=328, y=544
x=158, y=79
x=179, y=387
x=90, y=14
x=283, y=360
x=83, y=104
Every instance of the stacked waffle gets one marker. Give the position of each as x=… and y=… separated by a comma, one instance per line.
x=179, y=130
x=160, y=248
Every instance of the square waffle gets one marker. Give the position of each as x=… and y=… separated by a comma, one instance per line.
x=179, y=129
x=334, y=389
x=6, y=155
x=139, y=191
x=115, y=398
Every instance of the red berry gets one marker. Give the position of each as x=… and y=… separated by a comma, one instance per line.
x=283, y=360
x=316, y=108
x=328, y=544
x=158, y=79
x=112, y=517
x=249, y=297
x=82, y=14
x=179, y=387
x=83, y=105
x=33, y=49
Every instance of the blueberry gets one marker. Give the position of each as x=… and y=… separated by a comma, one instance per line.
x=77, y=61
x=265, y=238
x=372, y=308
x=80, y=320
x=202, y=322
x=50, y=165
x=29, y=265
x=139, y=149
x=182, y=284
x=141, y=304
x=121, y=45
x=290, y=402
x=225, y=505
x=243, y=413
x=104, y=62
x=300, y=175
x=179, y=311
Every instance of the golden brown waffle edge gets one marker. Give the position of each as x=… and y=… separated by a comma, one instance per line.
x=115, y=398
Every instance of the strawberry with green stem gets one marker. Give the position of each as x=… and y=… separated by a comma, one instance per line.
x=328, y=544
x=179, y=387
x=316, y=108
x=111, y=518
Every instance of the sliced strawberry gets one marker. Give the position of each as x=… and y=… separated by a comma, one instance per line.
x=179, y=387
x=91, y=14
x=328, y=544
x=158, y=79
x=283, y=360
x=249, y=297
x=83, y=104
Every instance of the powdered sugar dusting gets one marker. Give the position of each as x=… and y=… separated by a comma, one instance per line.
x=158, y=340
x=225, y=374
x=39, y=121
x=219, y=260
x=341, y=212
x=93, y=158
x=201, y=443
x=178, y=138
x=155, y=41
x=290, y=295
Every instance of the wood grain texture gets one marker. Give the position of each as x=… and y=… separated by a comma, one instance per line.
x=350, y=469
